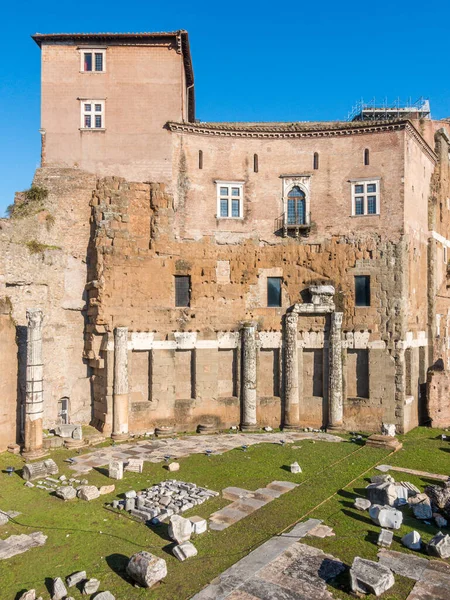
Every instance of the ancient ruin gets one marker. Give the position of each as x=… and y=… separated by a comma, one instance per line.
x=164, y=272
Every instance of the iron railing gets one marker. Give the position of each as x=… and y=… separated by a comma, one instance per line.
x=293, y=223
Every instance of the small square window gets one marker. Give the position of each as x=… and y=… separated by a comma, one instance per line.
x=229, y=200
x=93, y=61
x=274, y=292
x=362, y=290
x=92, y=114
x=182, y=290
x=365, y=198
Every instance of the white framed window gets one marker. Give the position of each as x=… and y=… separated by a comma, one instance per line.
x=92, y=114
x=230, y=196
x=365, y=197
x=92, y=60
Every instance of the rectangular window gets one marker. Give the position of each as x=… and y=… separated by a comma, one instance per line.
x=366, y=198
x=182, y=290
x=229, y=200
x=93, y=61
x=362, y=290
x=92, y=114
x=273, y=291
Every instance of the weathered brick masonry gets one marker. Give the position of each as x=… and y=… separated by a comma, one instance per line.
x=136, y=203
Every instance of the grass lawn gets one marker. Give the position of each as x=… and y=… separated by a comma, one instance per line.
x=88, y=536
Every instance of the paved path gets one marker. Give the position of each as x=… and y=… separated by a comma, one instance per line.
x=280, y=569
x=156, y=450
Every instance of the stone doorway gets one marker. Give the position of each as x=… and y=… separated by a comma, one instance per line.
x=63, y=411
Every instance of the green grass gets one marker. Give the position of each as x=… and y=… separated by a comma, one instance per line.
x=87, y=536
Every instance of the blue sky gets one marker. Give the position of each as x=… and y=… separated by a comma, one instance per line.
x=285, y=61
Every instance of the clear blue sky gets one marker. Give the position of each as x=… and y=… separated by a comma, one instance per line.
x=279, y=61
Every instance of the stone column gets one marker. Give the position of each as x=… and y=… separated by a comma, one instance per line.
x=34, y=399
x=291, y=418
x=335, y=391
x=120, y=392
x=248, y=384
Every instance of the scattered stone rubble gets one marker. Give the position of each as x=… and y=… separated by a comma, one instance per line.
x=59, y=589
x=39, y=469
x=17, y=544
x=146, y=569
x=439, y=546
x=161, y=501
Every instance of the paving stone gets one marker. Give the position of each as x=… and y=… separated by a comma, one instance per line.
x=362, y=504
x=321, y=531
x=235, y=493
x=17, y=544
x=368, y=577
x=266, y=494
x=439, y=545
x=90, y=586
x=88, y=492
x=385, y=538
x=75, y=578
x=248, y=505
x=282, y=486
x=403, y=564
x=179, y=529
x=146, y=569
x=58, y=589
x=3, y=518
x=185, y=550
x=412, y=540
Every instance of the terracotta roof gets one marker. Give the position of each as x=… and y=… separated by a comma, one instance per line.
x=181, y=37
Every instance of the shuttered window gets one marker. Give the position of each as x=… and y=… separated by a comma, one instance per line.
x=182, y=290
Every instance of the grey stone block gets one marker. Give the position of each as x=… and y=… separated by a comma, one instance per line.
x=368, y=577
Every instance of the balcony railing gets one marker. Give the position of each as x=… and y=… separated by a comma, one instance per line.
x=293, y=224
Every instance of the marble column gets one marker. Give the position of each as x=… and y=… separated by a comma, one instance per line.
x=34, y=399
x=291, y=419
x=248, y=385
x=335, y=391
x=120, y=390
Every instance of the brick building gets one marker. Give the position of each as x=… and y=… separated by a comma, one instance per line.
x=213, y=274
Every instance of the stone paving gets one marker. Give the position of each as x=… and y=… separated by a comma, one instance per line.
x=246, y=502
x=157, y=450
x=281, y=569
x=17, y=544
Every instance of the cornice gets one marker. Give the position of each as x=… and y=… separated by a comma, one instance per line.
x=412, y=132
x=287, y=130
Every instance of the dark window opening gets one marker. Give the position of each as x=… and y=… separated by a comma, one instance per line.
x=182, y=290
x=362, y=290
x=296, y=207
x=255, y=163
x=274, y=291
x=200, y=159
x=316, y=160
x=366, y=157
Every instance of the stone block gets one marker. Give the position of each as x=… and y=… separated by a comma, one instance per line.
x=66, y=492
x=388, y=429
x=295, y=468
x=235, y=493
x=439, y=545
x=412, y=540
x=179, y=529
x=88, y=492
x=422, y=511
x=90, y=586
x=198, y=525
x=30, y=595
x=106, y=489
x=386, y=516
x=146, y=569
x=385, y=538
x=75, y=578
x=439, y=520
x=362, y=504
x=368, y=577
x=115, y=470
x=173, y=467
x=185, y=550
x=135, y=465
x=382, y=493
x=382, y=479
x=104, y=596
x=58, y=589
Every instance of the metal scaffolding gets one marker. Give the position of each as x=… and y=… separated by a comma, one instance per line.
x=373, y=111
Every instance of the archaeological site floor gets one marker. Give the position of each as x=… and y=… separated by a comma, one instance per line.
x=93, y=537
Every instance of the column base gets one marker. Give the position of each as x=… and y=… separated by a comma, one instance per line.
x=290, y=427
x=249, y=427
x=119, y=437
x=337, y=428
x=205, y=428
x=34, y=454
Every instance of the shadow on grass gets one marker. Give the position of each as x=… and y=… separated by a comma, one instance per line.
x=102, y=470
x=118, y=564
x=372, y=537
x=358, y=517
x=49, y=585
x=162, y=530
x=19, y=595
x=286, y=468
x=346, y=494
x=168, y=549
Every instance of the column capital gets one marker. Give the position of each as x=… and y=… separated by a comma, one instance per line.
x=336, y=319
x=34, y=317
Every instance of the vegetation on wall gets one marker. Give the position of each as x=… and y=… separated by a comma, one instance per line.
x=36, y=247
x=32, y=203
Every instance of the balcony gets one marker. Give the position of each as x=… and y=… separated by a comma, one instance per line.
x=293, y=224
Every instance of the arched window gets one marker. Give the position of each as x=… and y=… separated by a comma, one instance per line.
x=296, y=207
x=366, y=157
x=255, y=163
x=316, y=161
